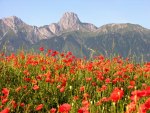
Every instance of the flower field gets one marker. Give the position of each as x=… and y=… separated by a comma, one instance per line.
x=54, y=82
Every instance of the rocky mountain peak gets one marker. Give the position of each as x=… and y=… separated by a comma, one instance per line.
x=12, y=21
x=69, y=20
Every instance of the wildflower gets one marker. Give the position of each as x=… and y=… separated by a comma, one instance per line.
x=147, y=103
x=103, y=88
x=39, y=77
x=64, y=108
x=94, y=84
x=132, y=83
x=144, y=85
x=107, y=80
x=4, y=101
x=26, y=72
x=130, y=87
x=88, y=79
x=53, y=110
x=55, y=53
x=34, y=81
x=43, y=68
x=100, y=76
x=35, y=87
x=6, y=110
x=70, y=87
x=39, y=107
x=116, y=95
x=75, y=98
x=85, y=95
x=85, y=103
x=104, y=99
x=83, y=110
x=82, y=88
x=27, y=79
x=62, y=89
x=1, y=106
x=25, y=87
x=5, y=91
x=47, y=79
x=22, y=104
x=98, y=103
x=101, y=58
x=41, y=48
x=139, y=93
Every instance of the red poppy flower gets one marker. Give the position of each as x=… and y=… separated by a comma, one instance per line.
x=53, y=110
x=75, y=98
x=47, y=79
x=147, y=103
x=132, y=83
x=85, y=103
x=1, y=106
x=104, y=99
x=22, y=104
x=130, y=87
x=107, y=80
x=116, y=95
x=41, y=48
x=35, y=87
x=140, y=93
x=27, y=79
x=88, y=79
x=83, y=110
x=39, y=107
x=86, y=95
x=62, y=89
x=4, y=101
x=103, y=88
x=82, y=88
x=6, y=110
x=64, y=108
x=5, y=91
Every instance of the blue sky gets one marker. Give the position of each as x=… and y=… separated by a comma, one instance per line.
x=98, y=12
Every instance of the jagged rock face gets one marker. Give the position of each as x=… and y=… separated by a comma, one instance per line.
x=44, y=33
x=69, y=21
x=15, y=27
x=13, y=22
x=3, y=27
x=55, y=28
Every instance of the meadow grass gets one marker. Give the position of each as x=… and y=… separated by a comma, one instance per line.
x=54, y=82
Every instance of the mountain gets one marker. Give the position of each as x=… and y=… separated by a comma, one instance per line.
x=71, y=34
x=71, y=22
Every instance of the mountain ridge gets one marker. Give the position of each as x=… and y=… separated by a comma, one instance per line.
x=68, y=22
x=75, y=35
